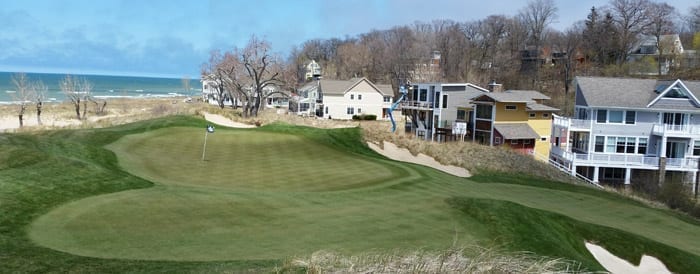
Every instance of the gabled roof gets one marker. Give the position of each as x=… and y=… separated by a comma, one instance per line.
x=635, y=93
x=516, y=131
x=340, y=87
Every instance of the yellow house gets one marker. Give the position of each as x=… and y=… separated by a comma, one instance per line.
x=515, y=118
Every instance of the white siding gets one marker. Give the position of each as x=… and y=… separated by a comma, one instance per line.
x=372, y=102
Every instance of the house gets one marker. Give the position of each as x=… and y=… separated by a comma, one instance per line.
x=432, y=109
x=275, y=96
x=644, y=57
x=342, y=99
x=626, y=130
x=514, y=118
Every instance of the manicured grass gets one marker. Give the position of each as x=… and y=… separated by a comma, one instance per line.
x=70, y=194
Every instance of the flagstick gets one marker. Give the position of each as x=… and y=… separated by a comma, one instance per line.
x=205, y=144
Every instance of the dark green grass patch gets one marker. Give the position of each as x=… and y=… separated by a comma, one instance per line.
x=545, y=233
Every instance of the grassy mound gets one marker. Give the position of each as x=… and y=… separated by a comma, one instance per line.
x=64, y=190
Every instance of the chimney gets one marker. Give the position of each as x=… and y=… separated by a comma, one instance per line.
x=493, y=87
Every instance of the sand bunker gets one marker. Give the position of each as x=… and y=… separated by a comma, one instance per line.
x=616, y=265
x=391, y=151
x=223, y=121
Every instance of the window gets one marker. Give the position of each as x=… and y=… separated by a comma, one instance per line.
x=387, y=99
x=642, y=147
x=359, y=97
x=436, y=100
x=615, y=116
x=513, y=142
x=526, y=141
x=630, y=116
x=696, y=148
x=545, y=115
x=620, y=145
x=326, y=110
x=359, y=110
x=599, y=143
x=602, y=116
x=610, y=145
x=444, y=101
x=497, y=141
x=532, y=115
x=511, y=107
x=484, y=111
x=461, y=114
x=543, y=139
x=352, y=96
x=351, y=111
x=423, y=94
x=630, y=144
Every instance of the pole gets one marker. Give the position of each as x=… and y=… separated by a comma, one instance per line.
x=205, y=144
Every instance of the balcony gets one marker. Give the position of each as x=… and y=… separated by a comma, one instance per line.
x=419, y=105
x=675, y=130
x=624, y=160
x=572, y=124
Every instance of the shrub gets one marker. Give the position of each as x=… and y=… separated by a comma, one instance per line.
x=676, y=196
x=367, y=117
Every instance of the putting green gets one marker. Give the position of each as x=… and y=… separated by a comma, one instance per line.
x=246, y=160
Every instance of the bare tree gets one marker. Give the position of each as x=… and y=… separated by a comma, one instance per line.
x=262, y=68
x=631, y=18
x=22, y=95
x=537, y=16
x=40, y=91
x=661, y=17
x=85, y=88
x=212, y=72
x=77, y=91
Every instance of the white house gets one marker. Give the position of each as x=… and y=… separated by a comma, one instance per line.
x=624, y=128
x=341, y=99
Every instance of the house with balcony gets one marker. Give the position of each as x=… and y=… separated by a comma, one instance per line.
x=432, y=110
x=518, y=119
x=342, y=99
x=626, y=130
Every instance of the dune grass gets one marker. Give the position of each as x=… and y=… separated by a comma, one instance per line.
x=64, y=190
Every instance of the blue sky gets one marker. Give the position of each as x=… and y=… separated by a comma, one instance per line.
x=173, y=38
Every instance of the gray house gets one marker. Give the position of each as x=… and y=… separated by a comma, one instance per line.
x=432, y=109
x=625, y=130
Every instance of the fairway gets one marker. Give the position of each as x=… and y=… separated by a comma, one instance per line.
x=282, y=191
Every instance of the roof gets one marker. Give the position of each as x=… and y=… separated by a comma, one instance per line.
x=516, y=96
x=540, y=107
x=632, y=93
x=516, y=131
x=340, y=87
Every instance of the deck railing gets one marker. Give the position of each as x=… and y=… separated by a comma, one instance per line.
x=572, y=123
x=629, y=160
x=666, y=129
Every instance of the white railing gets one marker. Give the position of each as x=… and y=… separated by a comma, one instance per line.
x=665, y=129
x=417, y=104
x=572, y=123
x=567, y=170
x=629, y=160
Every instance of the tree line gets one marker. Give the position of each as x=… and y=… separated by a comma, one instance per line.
x=521, y=51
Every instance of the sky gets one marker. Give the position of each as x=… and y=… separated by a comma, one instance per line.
x=172, y=38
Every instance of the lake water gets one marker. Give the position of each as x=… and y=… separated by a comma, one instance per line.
x=104, y=86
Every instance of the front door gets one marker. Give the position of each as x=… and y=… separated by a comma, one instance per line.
x=675, y=149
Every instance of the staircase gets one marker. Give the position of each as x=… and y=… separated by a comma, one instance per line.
x=566, y=170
